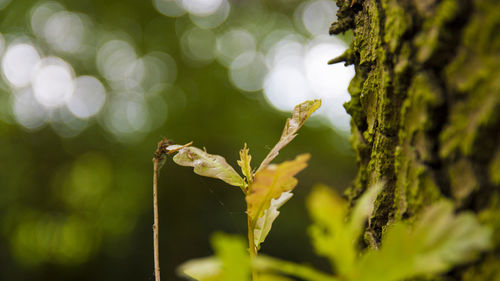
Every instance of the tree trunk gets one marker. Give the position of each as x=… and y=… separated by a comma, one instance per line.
x=425, y=107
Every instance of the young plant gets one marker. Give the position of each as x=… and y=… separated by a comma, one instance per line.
x=265, y=189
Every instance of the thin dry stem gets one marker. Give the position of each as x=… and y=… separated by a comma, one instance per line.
x=155, y=225
x=158, y=158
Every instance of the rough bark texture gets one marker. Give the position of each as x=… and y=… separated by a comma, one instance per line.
x=425, y=107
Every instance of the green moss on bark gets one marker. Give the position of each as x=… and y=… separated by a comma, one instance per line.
x=396, y=23
x=425, y=106
x=473, y=76
x=428, y=40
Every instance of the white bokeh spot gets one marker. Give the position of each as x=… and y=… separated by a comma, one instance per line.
x=53, y=82
x=233, y=43
x=169, y=8
x=318, y=15
x=18, y=64
x=202, y=7
x=28, y=111
x=65, y=31
x=248, y=71
x=88, y=98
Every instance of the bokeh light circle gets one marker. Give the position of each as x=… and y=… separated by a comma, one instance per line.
x=65, y=123
x=127, y=116
x=318, y=15
x=286, y=86
x=28, y=111
x=213, y=20
x=233, y=43
x=88, y=97
x=202, y=7
x=170, y=8
x=161, y=70
x=41, y=13
x=65, y=31
x=53, y=82
x=118, y=63
x=18, y=64
x=198, y=45
x=248, y=70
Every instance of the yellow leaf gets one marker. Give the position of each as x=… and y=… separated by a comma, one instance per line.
x=244, y=163
x=271, y=182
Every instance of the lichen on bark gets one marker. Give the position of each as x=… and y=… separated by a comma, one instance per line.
x=425, y=107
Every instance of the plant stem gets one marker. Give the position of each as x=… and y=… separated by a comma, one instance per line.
x=252, y=248
x=155, y=225
x=158, y=159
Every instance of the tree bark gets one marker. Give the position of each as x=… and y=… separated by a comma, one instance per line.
x=425, y=107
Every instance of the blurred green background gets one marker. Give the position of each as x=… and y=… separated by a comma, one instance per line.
x=89, y=87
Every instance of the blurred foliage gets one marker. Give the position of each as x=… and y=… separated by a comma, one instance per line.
x=438, y=240
x=75, y=174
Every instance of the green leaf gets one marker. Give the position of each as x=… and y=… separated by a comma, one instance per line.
x=299, y=116
x=244, y=163
x=270, y=183
x=207, y=165
x=332, y=235
x=438, y=241
x=265, y=222
x=203, y=269
x=363, y=210
x=231, y=261
x=232, y=251
x=329, y=234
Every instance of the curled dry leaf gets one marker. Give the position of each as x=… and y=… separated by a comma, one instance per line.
x=208, y=165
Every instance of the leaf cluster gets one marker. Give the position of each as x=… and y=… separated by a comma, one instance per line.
x=437, y=241
x=266, y=189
